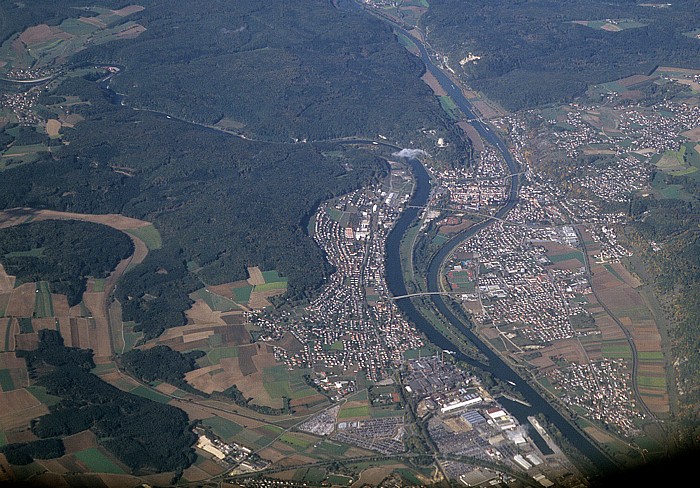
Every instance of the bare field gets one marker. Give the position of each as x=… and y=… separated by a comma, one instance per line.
x=80, y=441
x=7, y=282
x=472, y=134
x=487, y=110
x=166, y=388
x=37, y=33
x=433, y=83
x=256, y=276
x=453, y=229
x=570, y=349
x=374, y=476
x=193, y=473
x=8, y=360
x=53, y=127
x=18, y=408
x=22, y=301
x=627, y=277
x=45, y=323
x=211, y=468
x=692, y=134
x=223, y=290
x=60, y=305
x=27, y=342
x=128, y=10
x=200, y=313
x=609, y=329
x=100, y=336
x=289, y=343
x=307, y=400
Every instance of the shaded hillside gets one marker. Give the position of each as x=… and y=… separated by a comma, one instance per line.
x=533, y=53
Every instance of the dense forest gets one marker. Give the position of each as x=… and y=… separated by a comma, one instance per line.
x=62, y=252
x=272, y=70
x=145, y=435
x=532, y=53
x=160, y=363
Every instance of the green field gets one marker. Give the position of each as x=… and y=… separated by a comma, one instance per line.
x=77, y=28
x=440, y=239
x=684, y=161
x=275, y=285
x=149, y=235
x=351, y=412
x=616, y=349
x=25, y=325
x=279, y=382
x=99, y=285
x=16, y=151
x=332, y=448
x=611, y=25
x=104, y=368
x=145, y=392
x=313, y=476
x=650, y=356
x=449, y=106
x=339, y=479
x=217, y=354
x=242, y=294
x=655, y=382
x=272, y=275
x=409, y=476
x=222, y=427
x=8, y=330
x=416, y=353
x=6, y=380
x=384, y=412
x=295, y=441
x=32, y=253
x=566, y=256
x=43, y=306
x=97, y=462
x=407, y=43
x=216, y=302
x=131, y=338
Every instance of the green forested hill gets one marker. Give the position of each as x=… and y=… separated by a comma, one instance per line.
x=276, y=71
x=533, y=52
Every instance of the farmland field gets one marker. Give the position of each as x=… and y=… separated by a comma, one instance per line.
x=145, y=392
x=354, y=412
x=449, y=106
x=149, y=235
x=97, y=462
x=224, y=428
x=43, y=306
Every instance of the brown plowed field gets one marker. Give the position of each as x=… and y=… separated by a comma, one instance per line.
x=22, y=301
x=18, y=408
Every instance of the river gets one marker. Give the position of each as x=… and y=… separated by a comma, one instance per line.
x=395, y=279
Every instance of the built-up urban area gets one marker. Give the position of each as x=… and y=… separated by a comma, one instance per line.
x=352, y=325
